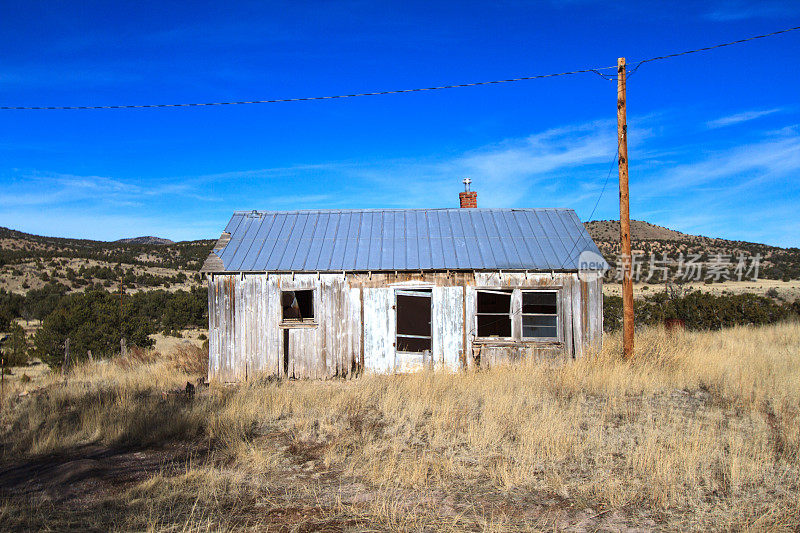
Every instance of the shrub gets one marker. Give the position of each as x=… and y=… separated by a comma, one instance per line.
x=137, y=356
x=700, y=310
x=10, y=307
x=94, y=321
x=38, y=303
x=15, y=349
x=612, y=313
x=772, y=292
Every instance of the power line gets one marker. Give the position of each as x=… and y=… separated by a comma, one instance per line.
x=308, y=98
x=419, y=89
x=713, y=47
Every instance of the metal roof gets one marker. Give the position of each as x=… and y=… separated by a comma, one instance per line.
x=401, y=239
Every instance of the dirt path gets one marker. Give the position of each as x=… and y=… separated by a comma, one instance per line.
x=89, y=473
x=85, y=488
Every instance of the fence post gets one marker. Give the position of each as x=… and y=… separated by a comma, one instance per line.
x=65, y=367
x=123, y=347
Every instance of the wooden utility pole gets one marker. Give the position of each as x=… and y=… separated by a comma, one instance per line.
x=624, y=215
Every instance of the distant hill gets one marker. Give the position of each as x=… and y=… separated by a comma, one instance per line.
x=608, y=230
x=145, y=240
x=31, y=261
x=646, y=238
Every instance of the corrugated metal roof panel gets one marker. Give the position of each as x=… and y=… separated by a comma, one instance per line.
x=405, y=239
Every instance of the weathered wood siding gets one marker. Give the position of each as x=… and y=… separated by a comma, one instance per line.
x=448, y=326
x=246, y=336
x=379, y=328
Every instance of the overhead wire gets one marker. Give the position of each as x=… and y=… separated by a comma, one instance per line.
x=712, y=47
x=310, y=98
x=596, y=70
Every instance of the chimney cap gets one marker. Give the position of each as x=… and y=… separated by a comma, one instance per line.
x=466, y=182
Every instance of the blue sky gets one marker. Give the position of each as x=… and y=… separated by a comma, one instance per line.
x=714, y=137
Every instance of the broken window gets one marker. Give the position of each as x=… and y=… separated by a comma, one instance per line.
x=413, y=320
x=539, y=314
x=298, y=306
x=494, y=313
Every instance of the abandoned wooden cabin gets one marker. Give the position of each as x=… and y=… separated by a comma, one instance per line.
x=317, y=294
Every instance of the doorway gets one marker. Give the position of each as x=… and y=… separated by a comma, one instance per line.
x=414, y=334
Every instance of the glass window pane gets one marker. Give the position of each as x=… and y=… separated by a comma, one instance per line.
x=539, y=320
x=539, y=302
x=539, y=332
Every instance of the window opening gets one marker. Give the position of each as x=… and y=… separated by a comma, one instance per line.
x=494, y=313
x=298, y=306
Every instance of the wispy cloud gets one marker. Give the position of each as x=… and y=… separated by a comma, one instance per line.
x=506, y=173
x=703, y=191
x=738, y=118
x=66, y=75
x=52, y=188
x=743, y=10
x=773, y=157
x=737, y=191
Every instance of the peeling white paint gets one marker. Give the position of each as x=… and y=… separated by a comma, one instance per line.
x=246, y=338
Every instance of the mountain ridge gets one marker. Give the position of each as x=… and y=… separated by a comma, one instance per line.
x=147, y=239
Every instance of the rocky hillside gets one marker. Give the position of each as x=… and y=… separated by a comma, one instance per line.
x=608, y=230
x=646, y=238
x=31, y=261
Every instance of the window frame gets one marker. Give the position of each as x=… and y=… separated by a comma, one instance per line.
x=557, y=314
x=515, y=315
x=295, y=322
x=504, y=290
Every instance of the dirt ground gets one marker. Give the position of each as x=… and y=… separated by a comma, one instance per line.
x=83, y=488
x=35, y=370
x=168, y=343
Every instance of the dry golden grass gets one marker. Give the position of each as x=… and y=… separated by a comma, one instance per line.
x=699, y=431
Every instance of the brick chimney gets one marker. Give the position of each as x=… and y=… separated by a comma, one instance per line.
x=468, y=198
